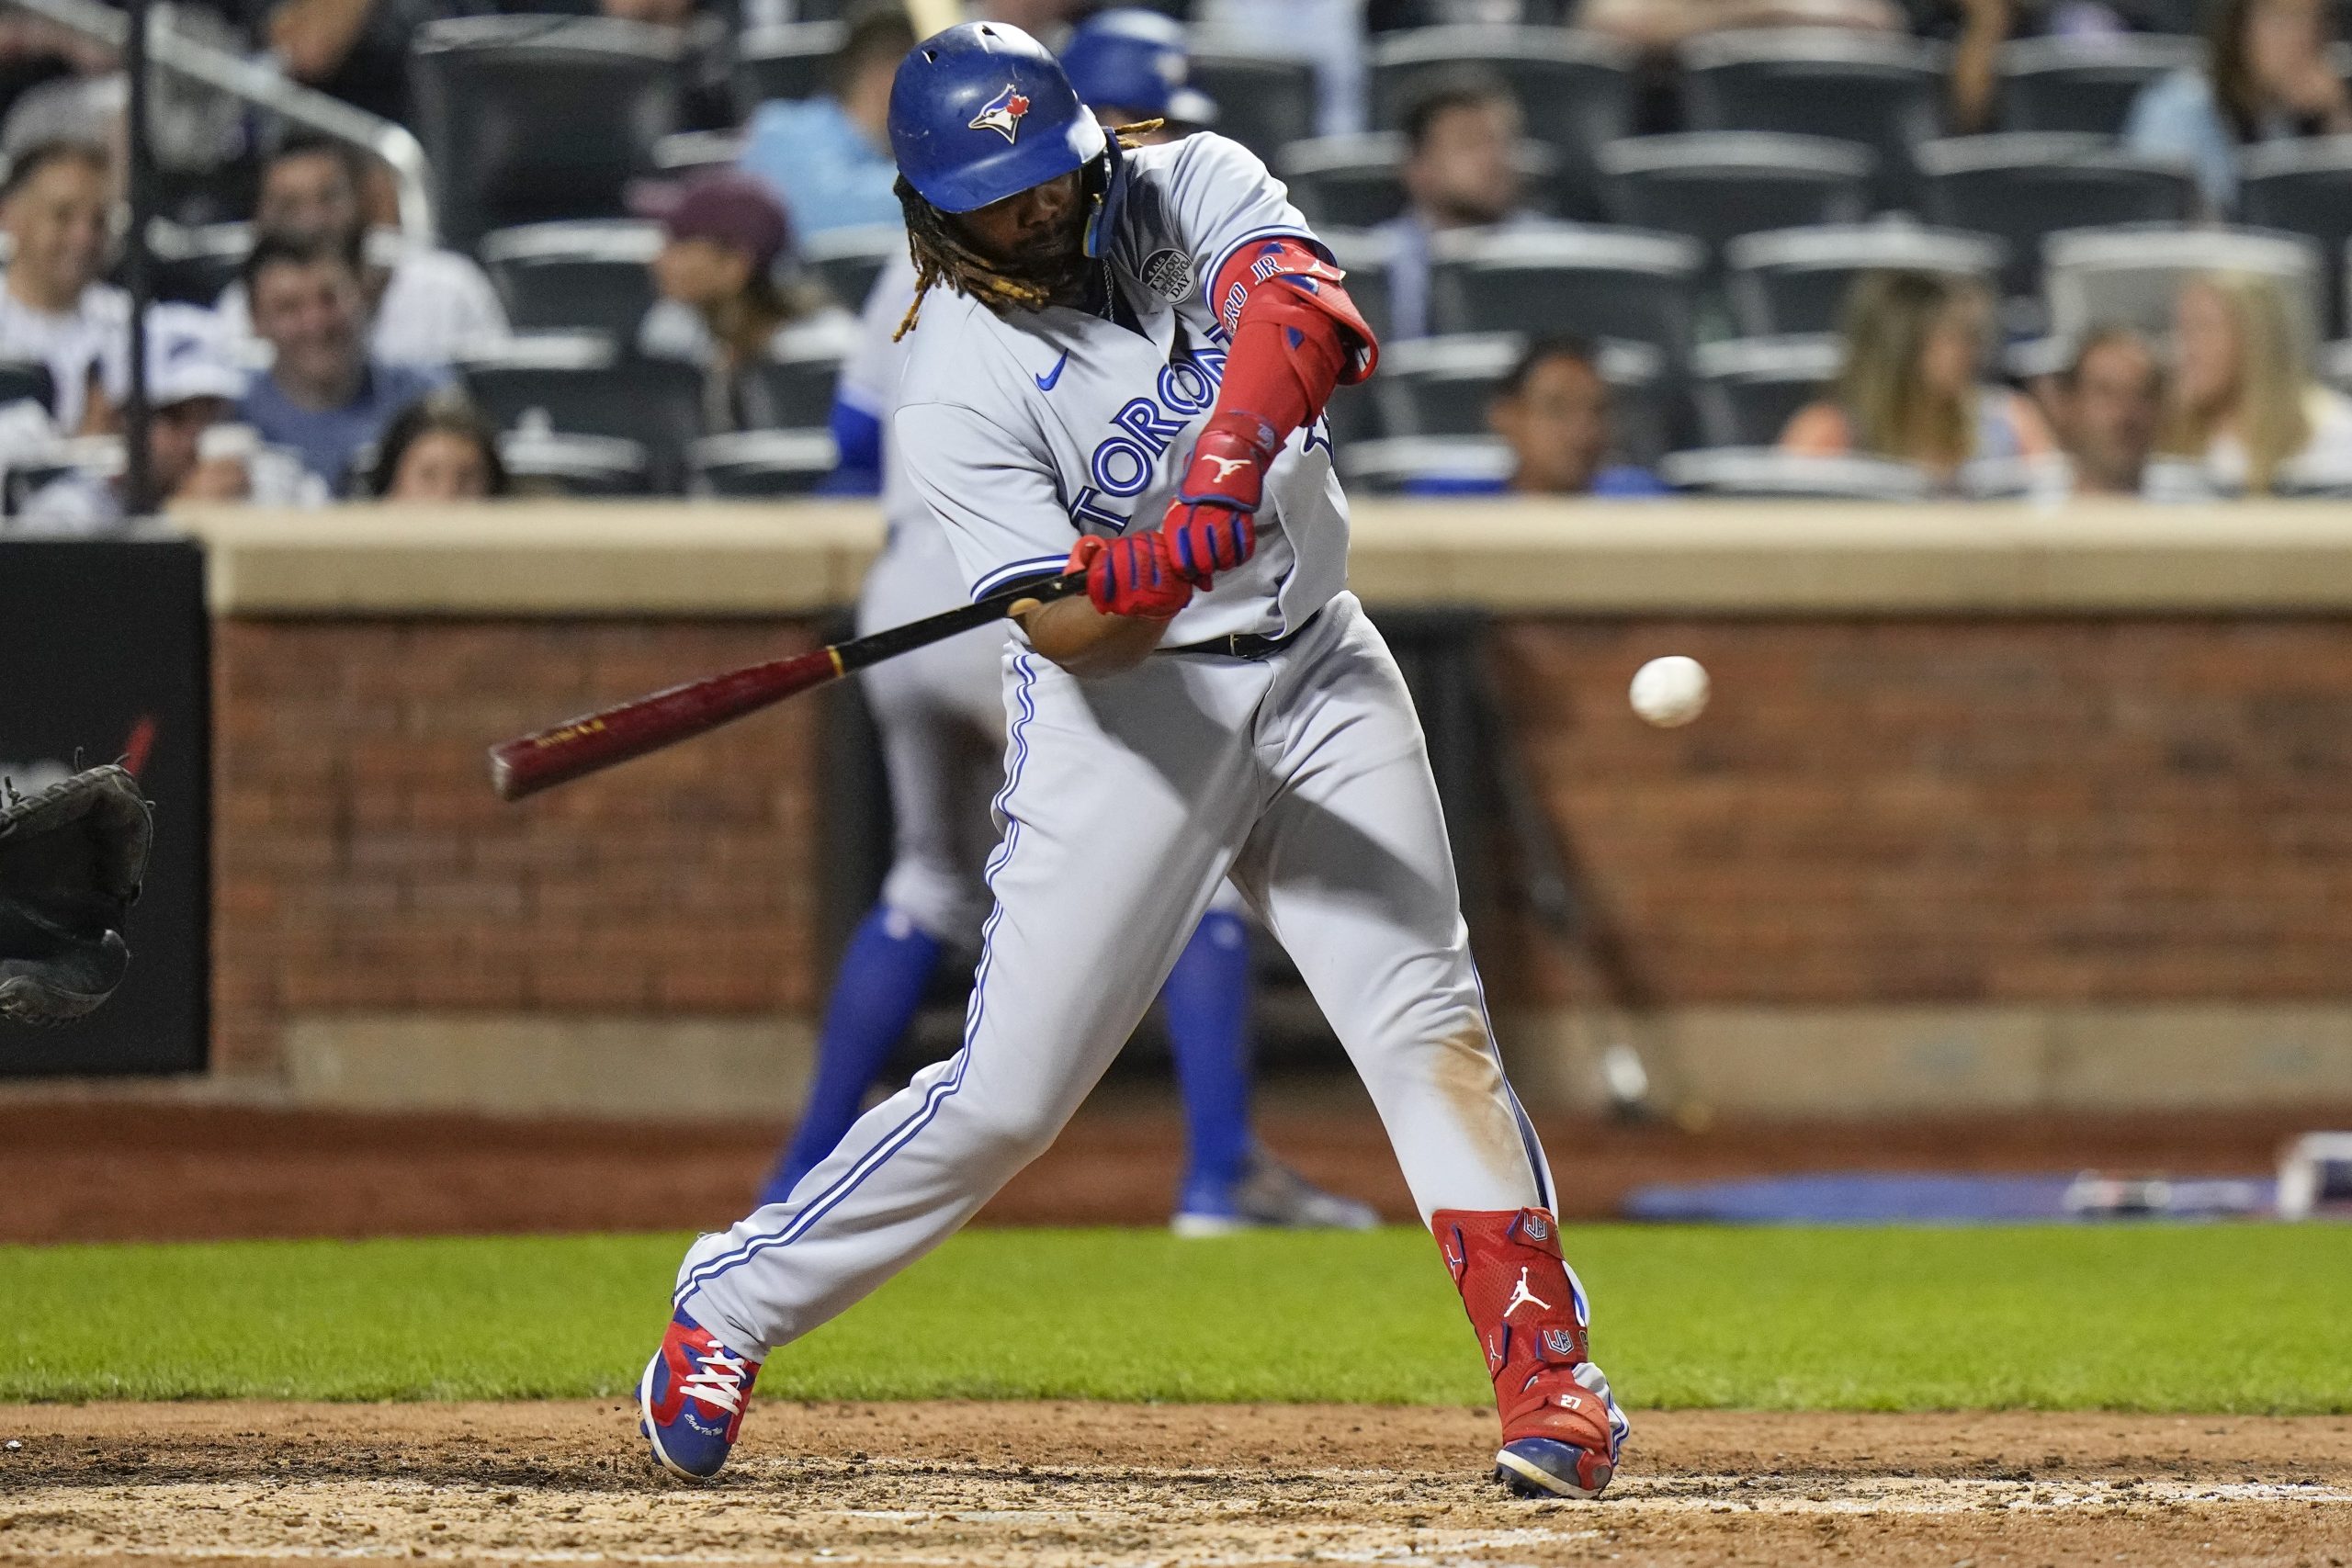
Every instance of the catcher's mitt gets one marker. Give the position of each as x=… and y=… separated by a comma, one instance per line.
x=71, y=861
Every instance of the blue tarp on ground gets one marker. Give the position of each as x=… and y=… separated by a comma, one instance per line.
x=1864, y=1198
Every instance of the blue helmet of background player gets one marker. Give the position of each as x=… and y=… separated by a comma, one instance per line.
x=1136, y=61
x=981, y=112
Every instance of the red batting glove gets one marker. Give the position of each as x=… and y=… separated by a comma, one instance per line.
x=1130, y=575
x=1210, y=526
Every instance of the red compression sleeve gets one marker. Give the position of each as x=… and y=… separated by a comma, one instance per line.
x=1296, y=335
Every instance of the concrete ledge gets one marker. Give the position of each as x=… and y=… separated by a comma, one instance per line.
x=1586, y=557
x=529, y=1064
x=1874, y=1060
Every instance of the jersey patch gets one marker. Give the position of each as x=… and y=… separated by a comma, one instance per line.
x=1002, y=113
x=1169, y=274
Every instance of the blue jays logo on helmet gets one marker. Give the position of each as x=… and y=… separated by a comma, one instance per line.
x=1002, y=113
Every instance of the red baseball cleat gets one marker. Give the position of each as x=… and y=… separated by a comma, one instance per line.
x=1561, y=1430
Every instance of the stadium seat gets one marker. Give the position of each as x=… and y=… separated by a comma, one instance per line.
x=1796, y=280
x=1386, y=468
x=2085, y=83
x=2334, y=364
x=1442, y=387
x=2131, y=274
x=1763, y=474
x=587, y=276
x=1576, y=89
x=2303, y=186
x=1364, y=257
x=762, y=463
x=1590, y=282
x=28, y=379
x=1263, y=103
x=1352, y=413
x=799, y=389
x=1882, y=90
x=1356, y=182
x=786, y=60
x=194, y=263
x=586, y=465
x=685, y=154
x=526, y=119
x=1748, y=388
x=581, y=384
x=1716, y=185
x=849, y=260
x=2021, y=186
x=1350, y=182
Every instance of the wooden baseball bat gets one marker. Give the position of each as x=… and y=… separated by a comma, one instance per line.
x=598, y=740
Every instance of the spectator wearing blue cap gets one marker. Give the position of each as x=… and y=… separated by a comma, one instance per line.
x=1130, y=65
x=828, y=157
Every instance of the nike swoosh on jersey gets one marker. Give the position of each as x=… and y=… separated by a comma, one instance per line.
x=1046, y=382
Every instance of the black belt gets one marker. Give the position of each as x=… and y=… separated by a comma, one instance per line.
x=1244, y=645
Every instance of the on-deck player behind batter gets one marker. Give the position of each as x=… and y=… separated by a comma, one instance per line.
x=941, y=716
x=1119, y=362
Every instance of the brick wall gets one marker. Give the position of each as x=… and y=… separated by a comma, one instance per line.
x=1931, y=810
x=1872, y=811
x=361, y=862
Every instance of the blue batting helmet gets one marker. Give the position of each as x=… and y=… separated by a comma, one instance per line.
x=981, y=112
x=1131, y=58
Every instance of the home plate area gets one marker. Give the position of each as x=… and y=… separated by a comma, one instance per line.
x=1056, y=1484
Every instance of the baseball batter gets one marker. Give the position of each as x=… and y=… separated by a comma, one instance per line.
x=1119, y=361
x=941, y=715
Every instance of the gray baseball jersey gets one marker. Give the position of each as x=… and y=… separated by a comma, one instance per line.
x=1022, y=432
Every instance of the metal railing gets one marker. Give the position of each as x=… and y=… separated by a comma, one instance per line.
x=262, y=85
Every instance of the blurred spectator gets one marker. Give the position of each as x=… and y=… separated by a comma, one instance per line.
x=2266, y=76
x=429, y=306
x=1656, y=26
x=440, y=449
x=1130, y=65
x=1907, y=387
x=2244, y=402
x=829, y=157
x=192, y=386
x=2107, y=405
x=322, y=395
x=54, y=207
x=724, y=305
x=1459, y=137
x=1553, y=411
x=1977, y=29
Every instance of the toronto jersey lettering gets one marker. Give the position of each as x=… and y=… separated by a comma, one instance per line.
x=1020, y=432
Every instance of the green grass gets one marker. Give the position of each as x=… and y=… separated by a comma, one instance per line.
x=2215, y=1318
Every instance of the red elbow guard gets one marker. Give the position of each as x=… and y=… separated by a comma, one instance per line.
x=1295, y=334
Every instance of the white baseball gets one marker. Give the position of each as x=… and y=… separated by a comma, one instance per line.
x=1670, y=691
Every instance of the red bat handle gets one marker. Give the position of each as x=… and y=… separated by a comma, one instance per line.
x=582, y=745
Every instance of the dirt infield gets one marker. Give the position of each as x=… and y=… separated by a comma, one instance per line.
x=111, y=1166
x=1070, y=1485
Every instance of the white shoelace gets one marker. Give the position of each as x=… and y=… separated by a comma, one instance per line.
x=719, y=1382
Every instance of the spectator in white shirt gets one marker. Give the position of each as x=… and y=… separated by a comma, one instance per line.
x=428, y=307
x=2244, y=402
x=192, y=387
x=53, y=310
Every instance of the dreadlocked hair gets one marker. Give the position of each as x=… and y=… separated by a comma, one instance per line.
x=942, y=257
